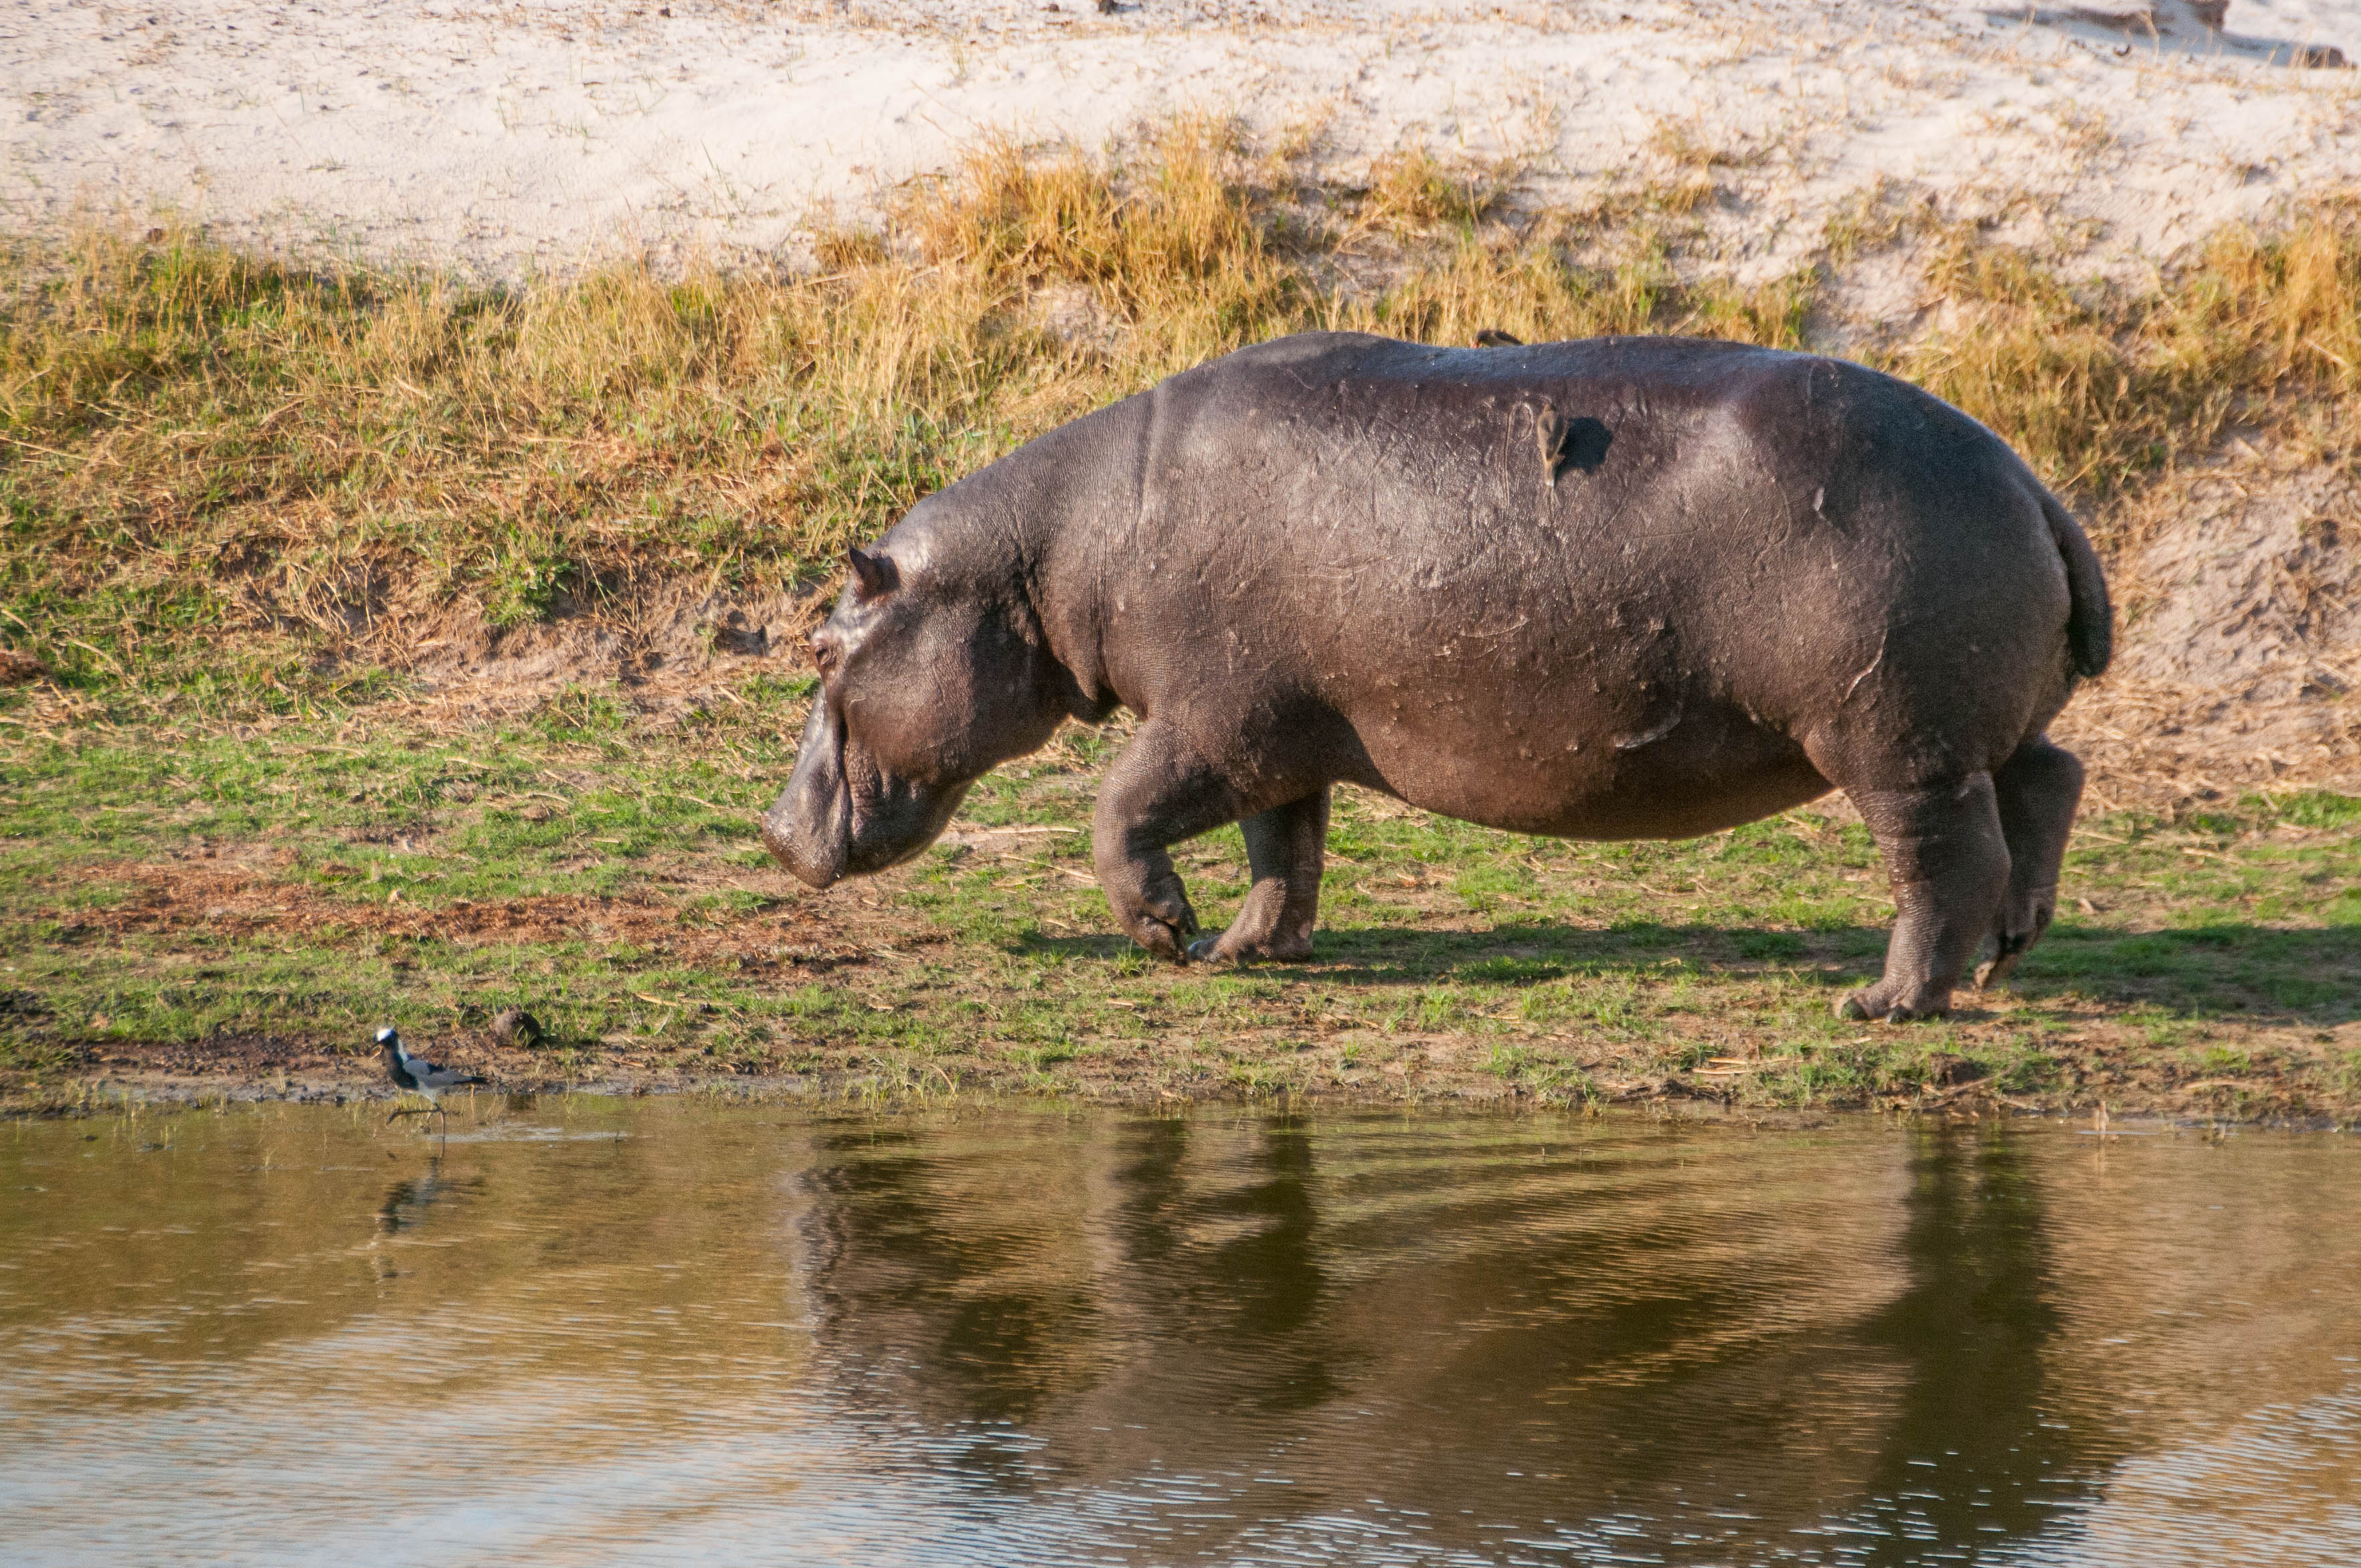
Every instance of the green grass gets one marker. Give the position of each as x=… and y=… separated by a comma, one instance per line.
x=323, y=880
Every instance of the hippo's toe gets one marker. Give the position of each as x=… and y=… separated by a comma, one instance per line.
x=1877, y=1003
x=1165, y=938
x=1996, y=971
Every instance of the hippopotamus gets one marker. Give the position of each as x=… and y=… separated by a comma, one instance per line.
x=1610, y=589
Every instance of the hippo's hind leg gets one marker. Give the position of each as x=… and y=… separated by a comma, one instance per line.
x=1285, y=847
x=1949, y=865
x=2038, y=790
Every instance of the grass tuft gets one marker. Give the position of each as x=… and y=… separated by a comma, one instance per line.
x=1412, y=193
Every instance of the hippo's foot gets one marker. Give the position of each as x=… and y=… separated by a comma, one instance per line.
x=1239, y=945
x=1162, y=921
x=1948, y=864
x=1896, y=1004
x=2038, y=791
x=1284, y=846
x=1161, y=791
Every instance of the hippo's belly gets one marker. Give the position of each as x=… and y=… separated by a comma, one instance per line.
x=1696, y=769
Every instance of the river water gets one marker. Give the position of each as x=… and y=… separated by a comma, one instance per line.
x=578, y=1331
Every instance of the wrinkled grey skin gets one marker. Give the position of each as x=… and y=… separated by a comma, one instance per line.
x=1624, y=588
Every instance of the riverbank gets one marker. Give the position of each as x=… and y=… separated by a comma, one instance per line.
x=193, y=915
x=380, y=646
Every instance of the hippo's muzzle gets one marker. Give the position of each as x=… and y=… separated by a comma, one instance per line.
x=814, y=828
x=808, y=829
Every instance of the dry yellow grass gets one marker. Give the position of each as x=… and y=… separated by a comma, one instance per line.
x=227, y=481
x=1411, y=190
x=2100, y=388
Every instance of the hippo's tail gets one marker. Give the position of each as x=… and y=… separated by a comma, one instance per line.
x=2090, y=620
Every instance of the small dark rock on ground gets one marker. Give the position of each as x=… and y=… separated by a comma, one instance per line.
x=515, y=1026
x=1942, y=1067
x=16, y=667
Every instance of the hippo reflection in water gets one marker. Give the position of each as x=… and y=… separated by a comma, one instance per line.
x=1622, y=587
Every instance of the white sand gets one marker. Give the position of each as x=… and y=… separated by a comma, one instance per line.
x=508, y=137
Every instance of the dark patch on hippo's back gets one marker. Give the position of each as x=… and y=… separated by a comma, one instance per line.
x=1583, y=446
x=1578, y=444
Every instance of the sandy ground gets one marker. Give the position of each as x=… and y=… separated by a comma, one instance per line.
x=515, y=137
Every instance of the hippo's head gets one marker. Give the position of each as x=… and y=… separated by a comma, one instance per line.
x=928, y=679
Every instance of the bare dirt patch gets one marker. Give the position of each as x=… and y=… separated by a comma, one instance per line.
x=671, y=647
x=2239, y=662
x=171, y=900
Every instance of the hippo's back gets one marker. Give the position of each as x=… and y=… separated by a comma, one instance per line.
x=1686, y=458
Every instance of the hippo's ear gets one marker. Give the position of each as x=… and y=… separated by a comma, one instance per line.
x=871, y=575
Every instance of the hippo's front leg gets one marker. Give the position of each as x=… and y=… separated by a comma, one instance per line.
x=1285, y=847
x=1156, y=794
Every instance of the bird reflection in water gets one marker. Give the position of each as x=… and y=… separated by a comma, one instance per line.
x=407, y=1201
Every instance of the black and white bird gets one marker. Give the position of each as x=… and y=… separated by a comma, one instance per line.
x=416, y=1075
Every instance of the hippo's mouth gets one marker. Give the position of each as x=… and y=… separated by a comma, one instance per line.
x=809, y=828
